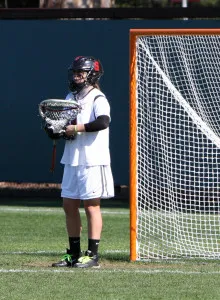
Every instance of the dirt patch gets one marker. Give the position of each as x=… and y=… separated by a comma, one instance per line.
x=17, y=185
x=17, y=189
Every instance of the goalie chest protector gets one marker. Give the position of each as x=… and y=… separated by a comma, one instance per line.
x=89, y=148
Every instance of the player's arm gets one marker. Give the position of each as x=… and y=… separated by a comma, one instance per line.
x=102, y=122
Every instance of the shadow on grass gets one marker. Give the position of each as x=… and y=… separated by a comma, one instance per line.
x=110, y=257
x=57, y=202
x=113, y=257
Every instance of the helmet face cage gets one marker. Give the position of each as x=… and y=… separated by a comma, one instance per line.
x=87, y=64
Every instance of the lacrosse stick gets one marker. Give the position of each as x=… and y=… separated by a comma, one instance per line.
x=57, y=114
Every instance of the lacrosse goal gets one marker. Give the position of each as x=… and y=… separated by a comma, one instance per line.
x=174, y=144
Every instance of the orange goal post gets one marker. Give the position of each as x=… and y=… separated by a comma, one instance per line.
x=174, y=143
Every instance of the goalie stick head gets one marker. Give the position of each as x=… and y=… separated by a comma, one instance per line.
x=88, y=64
x=55, y=108
x=58, y=113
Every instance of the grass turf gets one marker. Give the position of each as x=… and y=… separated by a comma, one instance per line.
x=33, y=235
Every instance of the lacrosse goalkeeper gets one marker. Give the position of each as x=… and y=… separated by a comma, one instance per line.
x=87, y=172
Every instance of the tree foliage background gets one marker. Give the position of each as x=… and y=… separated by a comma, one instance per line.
x=102, y=3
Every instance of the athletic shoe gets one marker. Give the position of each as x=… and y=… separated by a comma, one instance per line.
x=88, y=261
x=67, y=260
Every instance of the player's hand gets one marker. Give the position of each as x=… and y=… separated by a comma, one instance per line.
x=70, y=130
x=49, y=131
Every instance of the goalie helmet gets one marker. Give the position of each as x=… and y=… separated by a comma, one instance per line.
x=87, y=64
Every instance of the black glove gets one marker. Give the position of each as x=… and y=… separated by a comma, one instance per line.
x=49, y=131
x=69, y=138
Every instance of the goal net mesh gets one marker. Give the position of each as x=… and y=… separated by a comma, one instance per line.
x=178, y=146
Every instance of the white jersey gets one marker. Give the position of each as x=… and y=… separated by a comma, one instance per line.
x=89, y=148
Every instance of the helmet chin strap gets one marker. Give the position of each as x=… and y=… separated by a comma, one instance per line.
x=83, y=92
x=78, y=87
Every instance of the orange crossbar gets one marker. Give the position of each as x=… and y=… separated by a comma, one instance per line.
x=134, y=33
x=181, y=31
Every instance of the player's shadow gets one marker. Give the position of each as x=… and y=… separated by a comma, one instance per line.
x=117, y=256
x=34, y=201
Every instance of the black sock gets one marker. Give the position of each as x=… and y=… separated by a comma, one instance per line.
x=75, y=248
x=93, y=246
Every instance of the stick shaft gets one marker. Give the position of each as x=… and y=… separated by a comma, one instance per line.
x=53, y=162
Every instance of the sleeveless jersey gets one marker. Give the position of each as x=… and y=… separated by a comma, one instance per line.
x=89, y=148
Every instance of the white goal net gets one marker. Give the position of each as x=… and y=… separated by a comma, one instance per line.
x=178, y=146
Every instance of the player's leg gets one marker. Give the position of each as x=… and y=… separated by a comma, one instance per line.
x=74, y=228
x=73, y=220
x=71, y=204
x=94, y=223
x=94, y=218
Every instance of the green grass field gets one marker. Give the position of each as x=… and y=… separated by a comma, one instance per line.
x=33, y=235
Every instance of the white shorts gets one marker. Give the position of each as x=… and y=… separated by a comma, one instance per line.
x=84, y=183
